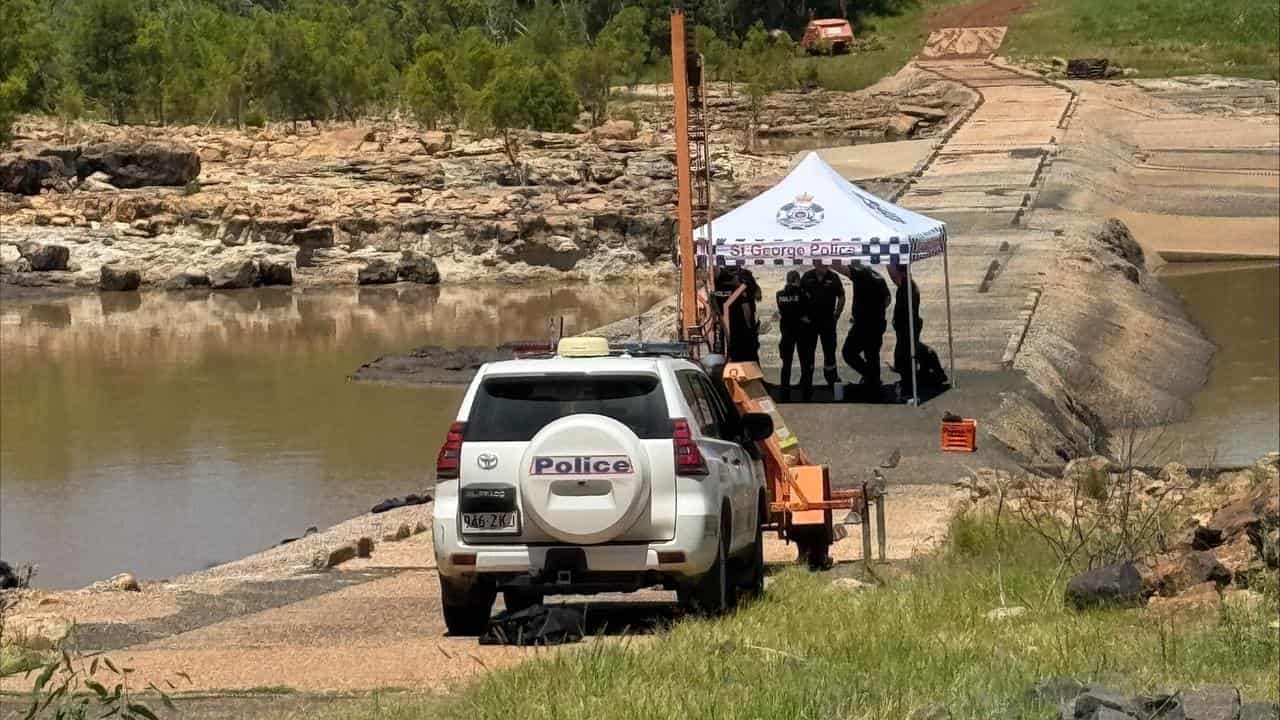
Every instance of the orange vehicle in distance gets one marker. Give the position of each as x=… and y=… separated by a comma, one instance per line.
x=827, y=36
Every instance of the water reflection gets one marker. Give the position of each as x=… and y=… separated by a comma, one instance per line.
x=158, y=433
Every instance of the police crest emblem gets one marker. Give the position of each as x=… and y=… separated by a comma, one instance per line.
x=801, y=214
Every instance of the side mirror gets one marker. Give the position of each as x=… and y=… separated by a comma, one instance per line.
x=757, y=426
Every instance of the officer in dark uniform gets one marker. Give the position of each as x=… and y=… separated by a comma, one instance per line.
x=796, y=331
x=906, y=299
x=824, y=292
x=737, y=290
x=866, y=332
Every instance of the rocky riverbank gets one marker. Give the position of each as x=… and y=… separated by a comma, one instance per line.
x=384, y=201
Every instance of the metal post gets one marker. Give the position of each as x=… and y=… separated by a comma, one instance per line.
x=688, y=301
x=911, y=321
x=866, y=529
x=881, y=539
x=946, y=279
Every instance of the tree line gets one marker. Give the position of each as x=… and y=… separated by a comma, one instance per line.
x=485, y=64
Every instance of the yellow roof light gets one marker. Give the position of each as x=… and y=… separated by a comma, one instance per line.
x=583, y=347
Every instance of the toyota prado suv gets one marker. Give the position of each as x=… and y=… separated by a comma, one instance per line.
x=597, y=471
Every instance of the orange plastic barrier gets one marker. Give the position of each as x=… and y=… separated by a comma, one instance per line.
x=961, y=436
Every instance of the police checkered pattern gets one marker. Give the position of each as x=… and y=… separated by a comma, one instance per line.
x=874, y=251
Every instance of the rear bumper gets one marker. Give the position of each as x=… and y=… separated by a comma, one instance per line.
x=696, y=537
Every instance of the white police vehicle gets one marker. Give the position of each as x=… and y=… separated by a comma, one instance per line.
x=597, y=470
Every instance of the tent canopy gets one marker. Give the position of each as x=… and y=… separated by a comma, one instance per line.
x=815, y=214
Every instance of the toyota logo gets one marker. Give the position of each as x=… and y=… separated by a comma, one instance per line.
x=487, y=461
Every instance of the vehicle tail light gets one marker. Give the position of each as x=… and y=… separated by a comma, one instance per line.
x=450, y=457
x=689, y=460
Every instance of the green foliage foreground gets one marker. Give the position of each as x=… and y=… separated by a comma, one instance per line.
x=811, y=650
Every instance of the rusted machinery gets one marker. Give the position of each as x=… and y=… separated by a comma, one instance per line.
x=801, y=501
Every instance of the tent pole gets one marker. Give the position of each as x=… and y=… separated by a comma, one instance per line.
x=911, y=322
x=946, y=279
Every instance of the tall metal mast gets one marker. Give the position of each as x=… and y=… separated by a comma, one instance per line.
x=693, y=178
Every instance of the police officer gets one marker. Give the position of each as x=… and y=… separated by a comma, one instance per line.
x=796, y=331
x=737, y=291
x=906, y=300
x=824, y=294
x=866, y=332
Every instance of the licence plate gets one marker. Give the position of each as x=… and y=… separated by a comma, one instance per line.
x=490, y=522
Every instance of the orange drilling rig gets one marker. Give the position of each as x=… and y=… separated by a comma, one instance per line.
x=801, y=501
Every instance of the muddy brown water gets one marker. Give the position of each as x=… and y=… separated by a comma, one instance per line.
x=162, y=433
x=1236, y=416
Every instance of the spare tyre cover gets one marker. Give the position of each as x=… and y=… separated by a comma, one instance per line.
x=584, y=479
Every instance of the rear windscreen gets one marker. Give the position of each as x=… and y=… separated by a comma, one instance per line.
x=516, y=408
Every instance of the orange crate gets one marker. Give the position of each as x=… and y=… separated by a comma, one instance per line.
x=960, y=436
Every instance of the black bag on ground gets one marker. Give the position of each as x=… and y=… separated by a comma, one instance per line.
x=929, y=366
x=537, y=625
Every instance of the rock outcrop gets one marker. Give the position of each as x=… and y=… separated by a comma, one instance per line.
x=112, y=164
x=333, y=198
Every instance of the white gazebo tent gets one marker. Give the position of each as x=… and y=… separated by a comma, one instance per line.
x=814, y=214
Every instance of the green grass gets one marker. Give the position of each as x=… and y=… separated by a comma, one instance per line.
x=813, y=651
x=899, y=36
x=1160, y=38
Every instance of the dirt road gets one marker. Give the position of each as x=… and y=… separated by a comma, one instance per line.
x=367, y=624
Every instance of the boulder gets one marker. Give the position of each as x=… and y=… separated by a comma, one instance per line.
x=97, y=182
x=418, y=268
x=27, y=175
x=41, y=632
x=377, y=272
x=113, y=278
x=1092, y=473
x=235, y=230
x=903, y=125
x=274, y=272
x=1115, y=235
x=615, y=130
x=921, y=111
x=1096, y=702
x=133, y=165
x=333, y=557
x=44, y=258
x=1196, y=598
x=1172, y=573
x=124, y=582
x=9, y=578
x=435, y=142
x=1115, y=584
x=400, y=533
x=1240, y=558
x=234, y=275
x=364, y=547
x=1254, y=514
x=1175, y=473
x=1214, y=702
x=187, y=279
